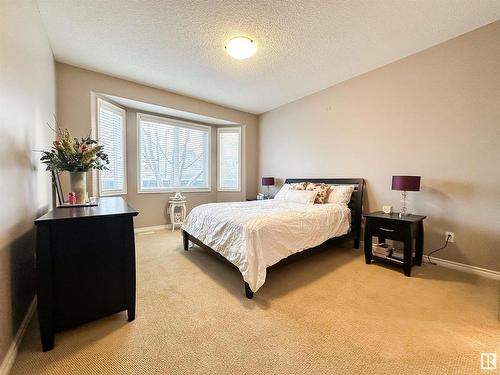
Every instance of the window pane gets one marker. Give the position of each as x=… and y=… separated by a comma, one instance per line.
x=172, y=156
x=111, y=128
x=229, y=159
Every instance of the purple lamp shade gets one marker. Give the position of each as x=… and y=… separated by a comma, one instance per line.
x=406, y=183
x=267, y=181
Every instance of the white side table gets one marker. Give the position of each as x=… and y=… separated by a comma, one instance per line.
x=179, y=220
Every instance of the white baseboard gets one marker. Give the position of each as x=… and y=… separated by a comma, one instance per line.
x=484, y=272
x=490, y=274
x=154, y=228
x=11, y=355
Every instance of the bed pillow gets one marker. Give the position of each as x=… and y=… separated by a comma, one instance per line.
x=298, y=186
x=340, y=194
x=301, y=196
x=322, y=189
x=281, y=194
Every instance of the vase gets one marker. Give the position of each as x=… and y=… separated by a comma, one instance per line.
x=78, y=182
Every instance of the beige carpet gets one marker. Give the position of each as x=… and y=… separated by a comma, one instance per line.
x=326, y=314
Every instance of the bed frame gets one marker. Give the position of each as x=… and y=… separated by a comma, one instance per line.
x=355, y=205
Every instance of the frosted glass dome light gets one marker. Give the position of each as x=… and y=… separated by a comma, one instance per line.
x=241, y=47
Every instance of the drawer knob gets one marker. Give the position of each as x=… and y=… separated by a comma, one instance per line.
x=387, y=230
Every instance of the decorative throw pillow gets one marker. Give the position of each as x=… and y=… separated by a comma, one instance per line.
x=301, y=196
x=322, y=190
x=340, y=194
x=282, y=193
x=298, y=186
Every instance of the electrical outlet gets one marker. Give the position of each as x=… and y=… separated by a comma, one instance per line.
x=452, y=236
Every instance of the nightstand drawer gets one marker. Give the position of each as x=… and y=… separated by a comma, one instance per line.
x=388, y=229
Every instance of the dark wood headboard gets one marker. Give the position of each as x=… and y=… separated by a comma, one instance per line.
x=355, y=204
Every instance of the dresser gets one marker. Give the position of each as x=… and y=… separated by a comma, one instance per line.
x=85, y=260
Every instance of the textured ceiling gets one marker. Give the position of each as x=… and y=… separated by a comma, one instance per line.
x=303, y=46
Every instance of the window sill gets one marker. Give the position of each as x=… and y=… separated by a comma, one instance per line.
x=170, y=191
x=112, y=194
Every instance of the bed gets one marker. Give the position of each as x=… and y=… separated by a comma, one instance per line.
x=257, y=235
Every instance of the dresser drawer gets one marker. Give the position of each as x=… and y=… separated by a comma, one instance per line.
x=388, y=229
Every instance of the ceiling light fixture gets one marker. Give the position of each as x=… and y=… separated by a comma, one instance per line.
x=241, y=47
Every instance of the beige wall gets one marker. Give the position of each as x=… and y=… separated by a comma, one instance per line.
x=27, y=102
x=74, y=88
x=434, y=114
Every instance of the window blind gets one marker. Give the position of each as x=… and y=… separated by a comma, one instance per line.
x=111, y=134
x=173, y=155
x=229, y=145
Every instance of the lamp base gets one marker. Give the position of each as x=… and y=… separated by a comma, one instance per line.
x=403, y=212
x=267, y=193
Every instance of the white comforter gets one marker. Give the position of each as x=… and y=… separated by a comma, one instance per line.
x=257, y=234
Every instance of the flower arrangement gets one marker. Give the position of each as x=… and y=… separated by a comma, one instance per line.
x=73, y=155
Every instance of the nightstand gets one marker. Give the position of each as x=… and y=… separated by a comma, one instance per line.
x=408, y=229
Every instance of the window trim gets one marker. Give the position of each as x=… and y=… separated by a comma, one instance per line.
x=181, y=124
x=113, y=107
x=229, y=130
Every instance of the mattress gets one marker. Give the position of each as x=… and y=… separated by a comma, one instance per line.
x=257, y=234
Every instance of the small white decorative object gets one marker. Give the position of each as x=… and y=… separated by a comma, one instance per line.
x=178, y=196
x=177, y=217
x=387, y=209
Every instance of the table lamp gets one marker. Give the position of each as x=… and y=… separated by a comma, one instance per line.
x=405, y=184
x=267, y=181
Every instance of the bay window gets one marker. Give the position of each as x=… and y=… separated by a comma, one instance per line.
x=229, y=159
x=111, y=134
x=173, y=155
